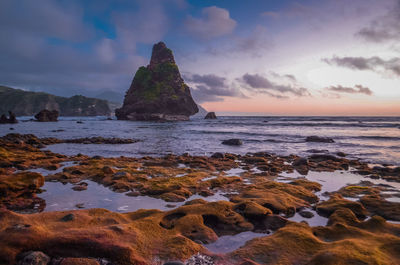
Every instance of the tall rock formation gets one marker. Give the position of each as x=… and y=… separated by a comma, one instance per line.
x=158, y=91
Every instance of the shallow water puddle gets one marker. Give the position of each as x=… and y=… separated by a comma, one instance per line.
x=209, y=178
x=333, y=181
x=234, y=172
x=60, y=197
x=46, y=172
x=316, y=220
x=225, y=244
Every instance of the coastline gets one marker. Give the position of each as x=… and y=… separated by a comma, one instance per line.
x=263, y=194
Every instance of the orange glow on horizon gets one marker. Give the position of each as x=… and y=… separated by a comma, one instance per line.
x=312, y=107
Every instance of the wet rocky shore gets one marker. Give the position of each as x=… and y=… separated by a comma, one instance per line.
x=321, y=209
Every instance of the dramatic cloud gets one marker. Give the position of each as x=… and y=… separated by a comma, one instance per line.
x=147, y=25
x=50, y=19
x=357, y=89
x=211, y=88
x=383, y=28
x=376, y=64
x=260, y=84
x=53, y=47
x=214, y=22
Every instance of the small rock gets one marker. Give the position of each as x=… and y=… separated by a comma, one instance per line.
x=47, y=115
x=120, y=175
x=318, y=139
x=322, y=157
x=306, y=214
x=34, y=258
x=302, y=161
x=68, y=217
x=11, y=129
x=341, y=154
x=218, y=155
x=210, y=115
x=79, y=187
x=133, y=194
x=80, y=122
x=80, y=205
x=108, y=170
x=232, y=142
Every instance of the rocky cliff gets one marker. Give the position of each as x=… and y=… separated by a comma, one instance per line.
x=158, y=91
x=26, y=103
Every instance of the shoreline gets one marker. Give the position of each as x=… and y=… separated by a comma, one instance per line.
x=261, y=197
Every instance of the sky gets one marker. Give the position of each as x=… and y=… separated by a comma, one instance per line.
x=254, y=57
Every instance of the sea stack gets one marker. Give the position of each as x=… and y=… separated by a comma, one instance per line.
x=47, y=115
x=210, y=115
x=158, y=91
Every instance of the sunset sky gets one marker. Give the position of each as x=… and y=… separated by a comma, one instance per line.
x=305, y=57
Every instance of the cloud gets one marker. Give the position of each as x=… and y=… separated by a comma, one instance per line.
x=210, y=87
x=376, y=64
x=357, y=89
x=49, y=18
x=215, y=22
x=147, y=25
x=56, y=47
x=209, y=80
x=383, y=28
x=261, y=84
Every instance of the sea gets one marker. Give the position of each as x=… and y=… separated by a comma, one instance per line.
x=371, y=139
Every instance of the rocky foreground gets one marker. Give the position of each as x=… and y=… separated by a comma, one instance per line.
x=357, y=231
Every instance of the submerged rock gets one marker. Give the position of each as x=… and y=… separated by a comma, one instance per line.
x=158, y=91
x=318, y=139
x=210, y=115
x=47, y=115
x=232, y=142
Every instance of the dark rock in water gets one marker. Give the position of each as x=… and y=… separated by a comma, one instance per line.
x=232, y=142
x=80, y=122
x=302, y=161
x=47, y=115
x=301, y=165
x=210, y=115
x=341, y=154
x=218, y=155
x=10, y=119
x=158, y=91
x=318, y=139
x=320, y=158
x=306, y=214
x=317, y=151
x=11, y=129
x=34, y=258
x=174, y=263
x=99, y=140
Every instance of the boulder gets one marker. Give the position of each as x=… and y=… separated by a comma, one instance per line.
x=47, y=115
x=10, y=119
x=317, y=139
x=158, y=91
x=210, y=115
x=34, y=258
x=232, y=142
